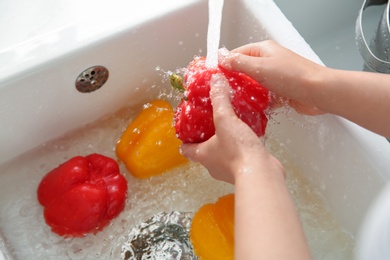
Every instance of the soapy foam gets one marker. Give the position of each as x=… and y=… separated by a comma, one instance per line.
x=184, y=188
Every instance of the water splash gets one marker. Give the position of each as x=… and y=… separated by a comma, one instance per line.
x=214, y=32
x=183, y=189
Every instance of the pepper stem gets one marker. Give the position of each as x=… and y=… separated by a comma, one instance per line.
x=177, y=82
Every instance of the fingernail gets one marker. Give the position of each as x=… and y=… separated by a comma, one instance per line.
x=225, y=57
x=219, y=86
x=217, y=81
x=181, y=150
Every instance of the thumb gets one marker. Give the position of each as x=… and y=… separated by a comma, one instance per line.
x=220, y=95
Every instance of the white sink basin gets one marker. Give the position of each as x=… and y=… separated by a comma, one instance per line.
x=344, y=163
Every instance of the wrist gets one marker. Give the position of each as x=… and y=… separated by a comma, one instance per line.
x=318, y=85
x=259, y=169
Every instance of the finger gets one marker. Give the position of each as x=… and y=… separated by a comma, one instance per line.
x=250, y=65
x=259, y=49
x=220, y=93
x=277, y=101
x=225, y=57
x=251, y=49
x=191, y=151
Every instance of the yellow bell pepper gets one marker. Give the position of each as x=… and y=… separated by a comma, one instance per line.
x=212, y=230
x=149, y=145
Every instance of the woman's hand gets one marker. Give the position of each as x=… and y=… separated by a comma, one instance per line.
x=312, y=89
x=280, y=70
x=234, y=149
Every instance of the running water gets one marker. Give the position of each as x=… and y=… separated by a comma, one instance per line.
x=214, y=32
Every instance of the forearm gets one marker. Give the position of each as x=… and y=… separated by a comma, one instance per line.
x=361, y=97
x=266, y=223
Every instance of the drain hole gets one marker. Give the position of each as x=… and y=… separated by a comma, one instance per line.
x=91, y=79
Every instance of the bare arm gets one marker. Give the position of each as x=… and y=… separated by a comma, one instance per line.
x=266, y=223
x=362, y=97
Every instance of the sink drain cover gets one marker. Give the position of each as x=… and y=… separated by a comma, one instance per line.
x=91, y=79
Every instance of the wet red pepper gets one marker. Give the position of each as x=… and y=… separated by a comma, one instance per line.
x=82, y=195
x=194, y=115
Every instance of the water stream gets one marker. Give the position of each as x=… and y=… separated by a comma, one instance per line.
x=214, y=32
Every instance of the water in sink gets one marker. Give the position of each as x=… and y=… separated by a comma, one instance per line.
x=185, y=188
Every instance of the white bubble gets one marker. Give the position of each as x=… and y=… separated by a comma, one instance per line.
x=191, y=183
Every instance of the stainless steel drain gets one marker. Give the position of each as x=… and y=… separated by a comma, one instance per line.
x=91, y=79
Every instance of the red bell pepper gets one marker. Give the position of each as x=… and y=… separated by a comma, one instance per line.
x=194, y=115
x=82, y=195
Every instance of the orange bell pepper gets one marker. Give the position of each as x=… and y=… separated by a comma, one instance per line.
x=212, y=230
x=149, y=145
